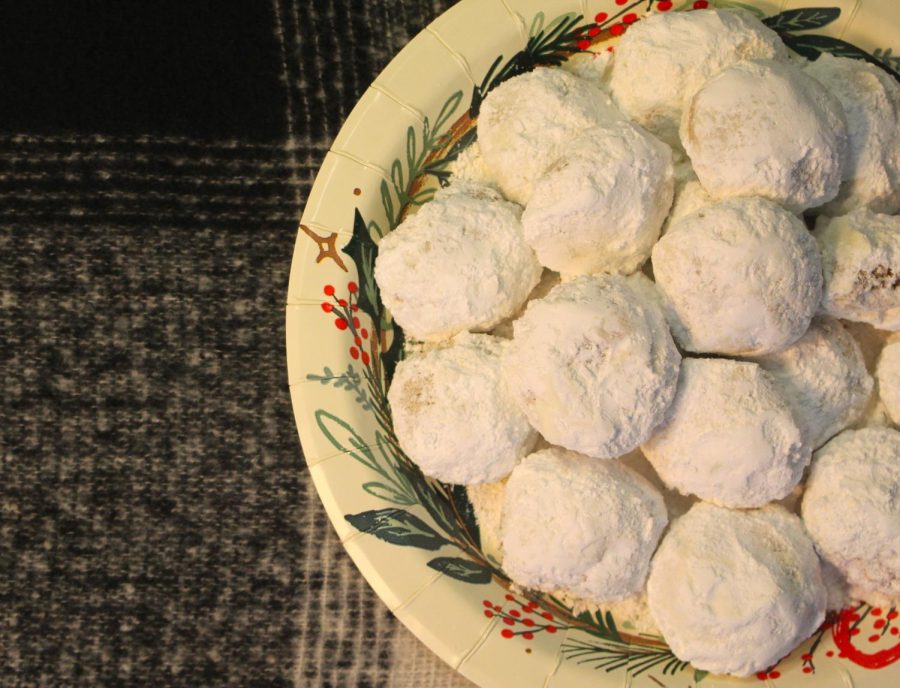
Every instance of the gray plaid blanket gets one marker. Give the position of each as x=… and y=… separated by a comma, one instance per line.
x=157, y=525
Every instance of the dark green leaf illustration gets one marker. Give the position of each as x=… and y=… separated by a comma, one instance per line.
x=436, y=504
x=387, y=493
x=886, y=55
x=548, y=46
x=466, y=512
x=362, y=249
x=397, y=527
x=600, y=625
x=812, y=45
x=462, y=569
x=802, y=19
x=611, y=656
x=699, y=675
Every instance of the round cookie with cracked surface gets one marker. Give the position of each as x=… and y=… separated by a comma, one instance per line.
x=734, y=591
x=741, y=276
x=766, y=128
x=663, y=59
x=453, y=414
x=824, y=379
x=573, y=523
x=871, y=102
x=730, y=437
x=851, y=510
x=525, y=122
x=593, y=365
x=600, y=206
x=861, y=267
x=460, y=263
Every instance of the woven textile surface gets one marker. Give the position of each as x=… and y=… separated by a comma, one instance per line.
x=157, y=524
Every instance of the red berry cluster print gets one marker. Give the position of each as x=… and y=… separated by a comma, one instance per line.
x=605, y=25
x=864, y=635
x=867, y=637
x=346, y=319
x=523, y=619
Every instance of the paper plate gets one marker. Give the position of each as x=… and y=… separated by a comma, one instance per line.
x=416, y=541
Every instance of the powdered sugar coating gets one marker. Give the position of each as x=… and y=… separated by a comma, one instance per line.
x=766, y=128
x=730, y=437
x=599, y=524
x=460, y=263
x=453, y=414
x=823, y=378
x=600, y=206
x=735, y=591
x=469, y=167
x=524, y=123
x=690, y=196
x=593, y=365
x=487, y=503
x=741, y=276
x=871, y=103
x=861, y=264
x=888, y=375
x=663, y=59
x=593, y=67
x=852, y=512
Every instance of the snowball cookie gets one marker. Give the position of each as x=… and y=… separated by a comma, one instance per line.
x=888, y=375
x=871, y=101
x=487, y=503
x=765, y=128
x=663, y=59
x=469, y=167
x=600, y=206
x=676, y=503
x=460, y=263
x=573, y=523
x=823, y=378
x=852, y=512
x=453, y=414
x=741, y=276
x=735, y=591
x=730, y=437
x=592, y=67
x=524, y=123
x=689, y=197
x=593, y=365
x=861, y=264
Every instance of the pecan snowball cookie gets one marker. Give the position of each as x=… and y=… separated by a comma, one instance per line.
x=741, y=276
x=572, y=523
x=735, y=591
x=852, y=512
x=871, y=102
x=593, y=365
x=765, y=128
x=460, y=263
x=453, y=414
x=861, y=263
x=663, y=59
x=600, y=206
x=524, y=123
x=730, y=437
x=888, y=376
x=824, y=380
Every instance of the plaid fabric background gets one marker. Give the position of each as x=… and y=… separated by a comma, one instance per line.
x=157, y=525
